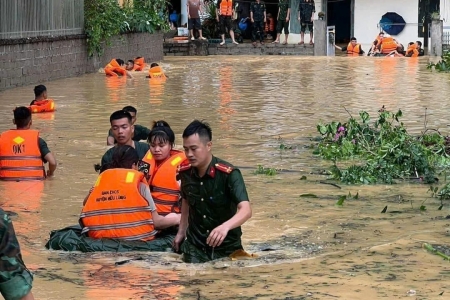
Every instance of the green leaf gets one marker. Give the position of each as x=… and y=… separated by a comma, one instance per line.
x=423, y=208
x=303, y=177
x=356, y=196
x=384, y=210
x=341, y=200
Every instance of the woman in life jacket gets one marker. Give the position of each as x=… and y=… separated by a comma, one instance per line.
x=162, y=162
x=120, y=204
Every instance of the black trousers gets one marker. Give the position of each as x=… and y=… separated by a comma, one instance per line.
x=258, y=28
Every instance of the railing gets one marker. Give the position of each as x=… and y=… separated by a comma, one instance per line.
x=32, y=18
x=446, y=38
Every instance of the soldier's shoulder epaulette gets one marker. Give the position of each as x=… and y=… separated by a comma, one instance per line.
x=224, y=168
x=185, y=165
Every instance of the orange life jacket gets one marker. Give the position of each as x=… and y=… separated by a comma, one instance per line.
x=270, y=25
x=116, y=209
x=156, y=73
x=226, y=8
x=412, y=51
x=20, y=157
x=139, y=64
x=387, y=45
x=47, y=105
x=163, y=183
x=114, y=69
x=353, y=50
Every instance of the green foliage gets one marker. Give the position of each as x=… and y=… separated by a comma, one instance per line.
x=380, y=152
x=443, y=65
x=210, y=26
x=105, y=19
x=265, y=171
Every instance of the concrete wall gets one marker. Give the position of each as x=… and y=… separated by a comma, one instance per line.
x=36, y=60
x=368, y=13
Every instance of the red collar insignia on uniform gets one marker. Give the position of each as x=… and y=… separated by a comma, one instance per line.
x=212, y=172
x=185, y=165
x=224, y=168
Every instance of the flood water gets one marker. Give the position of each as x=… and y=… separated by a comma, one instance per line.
x=307, y=247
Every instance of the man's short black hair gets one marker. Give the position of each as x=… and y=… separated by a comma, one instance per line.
x=198, y=127
x=153, y=65
x=352, y=38
x=130, y=109
x=39, y=90
x=22, y=116
x=120, y=61
x=419, y=43
x=120, y=114
x=131, y=61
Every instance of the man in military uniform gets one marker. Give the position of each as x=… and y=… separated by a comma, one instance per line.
x=215, y=202
x=122, y=128
x=284, y=13
x=140, y=132
x=306, y=11
x=15, y=279
x=258, y=18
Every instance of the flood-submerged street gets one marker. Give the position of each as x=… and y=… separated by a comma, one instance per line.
x=263, y=111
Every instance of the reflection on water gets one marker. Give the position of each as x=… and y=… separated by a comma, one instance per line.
x=306, y=246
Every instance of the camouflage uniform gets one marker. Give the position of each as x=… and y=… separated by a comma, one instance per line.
x=284, y=6
x=306, y=10
x=15, y=279
x=213, y=200
x=258, y=10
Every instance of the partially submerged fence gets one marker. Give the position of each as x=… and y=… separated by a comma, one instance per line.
x=446, y=38
x=32, y=18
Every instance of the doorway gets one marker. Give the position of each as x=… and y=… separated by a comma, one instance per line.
x=340, y=14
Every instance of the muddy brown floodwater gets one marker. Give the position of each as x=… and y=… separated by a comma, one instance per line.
x=307, y=247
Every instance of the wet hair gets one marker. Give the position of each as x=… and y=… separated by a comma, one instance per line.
x=120, y=114
x=130, y=109
x=122, y=157
x=353, y=39
x=419, y=43
x=39, y=90
x=153, y=65
x=198, y=127
x=162, y=132
x=381, y=33
x=22, y=116
x=138, y=57
x=410, y=43
x=120, y=61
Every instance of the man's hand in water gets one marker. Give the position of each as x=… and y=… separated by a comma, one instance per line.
x=217, y=236
x=179, y=238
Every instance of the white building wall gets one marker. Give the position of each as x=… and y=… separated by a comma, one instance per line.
x=368, y=14
x=445, y=12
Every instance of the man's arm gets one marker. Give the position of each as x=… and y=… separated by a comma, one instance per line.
x=288, y=16
x=340, y=48
x=361, y=51
x=181, y=235
x=218, y=234
x=313, y=10
x=50, y=158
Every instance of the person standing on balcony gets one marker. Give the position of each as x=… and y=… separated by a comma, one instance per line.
x=306, y=11
x=194, y=11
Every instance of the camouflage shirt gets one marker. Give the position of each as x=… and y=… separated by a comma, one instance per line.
x=284, y=6
x=258, y=10
x=213, y=200
x=15, y=279
x=306, y=9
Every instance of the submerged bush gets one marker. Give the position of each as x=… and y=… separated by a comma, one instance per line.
x=382, y=151
x=443, y=65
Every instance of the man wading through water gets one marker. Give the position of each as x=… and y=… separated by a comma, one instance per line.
x=215, y=201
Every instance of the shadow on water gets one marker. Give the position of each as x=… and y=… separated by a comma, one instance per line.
x=263, y=112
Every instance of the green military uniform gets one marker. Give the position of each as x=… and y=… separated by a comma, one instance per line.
x=213, y=200
x=306, y=9
x=15, y=279
x=141, y=149
x=281, y=22
x=258, y=10
x=140, y=133
x=43, y=148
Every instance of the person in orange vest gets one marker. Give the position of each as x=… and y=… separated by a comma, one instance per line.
x=156, y=72
x=22, y=152
x=16, y=280
x=161, y=163
x=120, y=204
x=116, y=67
x=137, y=64
x=214, y=200
x=353, y=48
x=376, y=43
x=224, y=12
x=40, y=94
